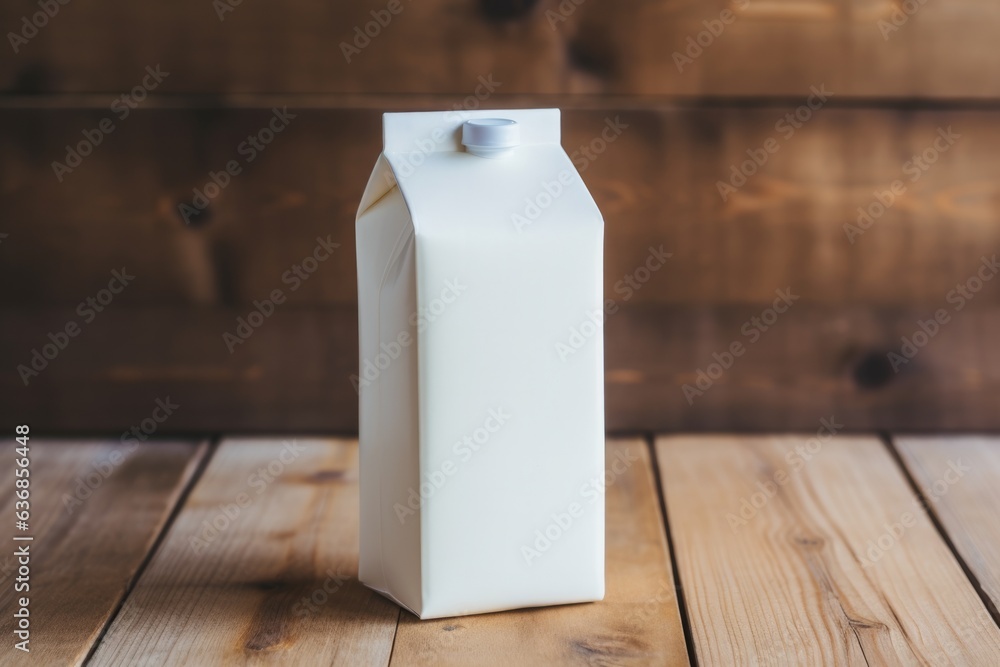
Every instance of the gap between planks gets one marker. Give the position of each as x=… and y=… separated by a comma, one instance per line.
x=235, y=601
x=665, y=517
x=406, y=627
x=638, y=622
x=260, y=565
x=201, y=459
x=97, y=508
x=961, y=499
x=801, y=563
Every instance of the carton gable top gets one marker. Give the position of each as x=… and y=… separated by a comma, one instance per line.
x=448, y=190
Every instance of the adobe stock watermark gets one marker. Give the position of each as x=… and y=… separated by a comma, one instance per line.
x=333, y=584
x=562, y=12
x=462, y=452
x=586, y=154
x=696, y=44
x=30, y=25
x=223, y=7
x=7, y=568
x=958, y=298
x=795, y=459
x=895, y=530
x=294, y=277
x=967, y=632
x=249, y=149
x=88, y=310
x=258, y=482
x=87, y=484
x=626, y=288
x=780, y=646
x=370, y=30
x=898, y=17
x=914, y=169
x=120, y=109
x=407, y=163
x=442, y=649
x=549, y=191
x=425, y=315
x=752, y=330
x=589, y=493
x=786, y=127
x=652, y=606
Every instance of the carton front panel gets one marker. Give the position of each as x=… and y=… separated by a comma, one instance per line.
x=511, y=382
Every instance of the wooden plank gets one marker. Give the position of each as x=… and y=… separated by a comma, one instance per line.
x=828, y=559
x=97, y=507
x=638, y=622
x=260, y=566
x=294, y=373
x=812, y=362
x=958, y=477
x=780, y=47
x=657, y=185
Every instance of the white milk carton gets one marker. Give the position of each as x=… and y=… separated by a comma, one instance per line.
x=480, y=257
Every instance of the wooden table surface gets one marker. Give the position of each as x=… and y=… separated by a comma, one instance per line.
x=721, y=550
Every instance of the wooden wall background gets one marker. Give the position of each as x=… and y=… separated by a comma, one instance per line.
x=657, y=185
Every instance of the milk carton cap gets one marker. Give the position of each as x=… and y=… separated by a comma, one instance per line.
x=491, y=137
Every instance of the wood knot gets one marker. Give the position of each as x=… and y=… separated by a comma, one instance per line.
x=191, y=214
x=809, y=542
x=266, y=585
x=608, y=649
x=873, y=370
x=32, y=79
x=324, y=476
x=506, y=10
x=861, y=624
x=592, y=55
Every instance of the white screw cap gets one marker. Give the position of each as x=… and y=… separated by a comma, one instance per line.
x=491, y=137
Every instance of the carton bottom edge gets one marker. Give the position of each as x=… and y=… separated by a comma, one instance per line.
x=432, y=615
x=393, y=598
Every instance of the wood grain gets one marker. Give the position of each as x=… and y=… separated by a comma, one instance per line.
x=638, y=622
x=259, y=567
x=294, y=373
x=812, y=362
x=656, y=184
x=97, y=507
x=958, y=477
x=826, y=560
x=779, y=47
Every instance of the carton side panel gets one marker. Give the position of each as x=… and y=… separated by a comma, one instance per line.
x=388, y=425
